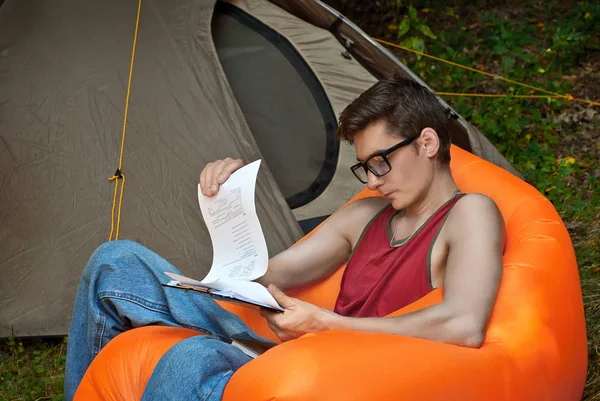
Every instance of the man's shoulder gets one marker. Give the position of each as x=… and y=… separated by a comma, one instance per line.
x=475, y=210
x=475, y=203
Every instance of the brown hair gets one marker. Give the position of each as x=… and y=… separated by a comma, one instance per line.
x=405, y=106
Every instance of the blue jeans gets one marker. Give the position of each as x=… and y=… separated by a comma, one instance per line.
x=121, y=289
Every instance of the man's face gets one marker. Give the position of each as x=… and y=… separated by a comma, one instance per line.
x=410, y=172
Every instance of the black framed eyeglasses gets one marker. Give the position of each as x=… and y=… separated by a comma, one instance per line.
x=378, y=164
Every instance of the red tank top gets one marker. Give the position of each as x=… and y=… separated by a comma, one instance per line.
x=380, y=279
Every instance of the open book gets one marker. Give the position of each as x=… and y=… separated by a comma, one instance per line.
x=239, y=248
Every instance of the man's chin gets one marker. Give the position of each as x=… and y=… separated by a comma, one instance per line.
x=396, y=203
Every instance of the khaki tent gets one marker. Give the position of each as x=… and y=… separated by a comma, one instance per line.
x=246, y=79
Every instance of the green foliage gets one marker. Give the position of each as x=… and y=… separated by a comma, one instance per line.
x=32, y=371
x=411, y=30
x=574, y=36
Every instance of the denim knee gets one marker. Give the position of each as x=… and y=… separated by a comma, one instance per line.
x=201, y=363
x=112, y=254
x=197, y=350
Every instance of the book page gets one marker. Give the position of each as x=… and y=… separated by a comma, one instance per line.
x=239, y=246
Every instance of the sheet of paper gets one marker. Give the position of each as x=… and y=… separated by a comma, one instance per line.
x=245, y=290
x=239, y=246
x=184, y=280
x=240, y=252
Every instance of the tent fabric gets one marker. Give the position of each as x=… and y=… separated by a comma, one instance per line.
x=342, y=79
x=63, y=74
x=298, y=134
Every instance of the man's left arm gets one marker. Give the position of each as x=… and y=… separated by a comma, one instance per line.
x=471, y=281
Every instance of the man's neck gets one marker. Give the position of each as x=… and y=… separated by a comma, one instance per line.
x=442, y=188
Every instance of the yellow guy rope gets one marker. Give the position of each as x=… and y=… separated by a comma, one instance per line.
x=118, y=174
x=551, y=95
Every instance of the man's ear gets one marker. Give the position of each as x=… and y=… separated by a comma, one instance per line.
x=429, y=142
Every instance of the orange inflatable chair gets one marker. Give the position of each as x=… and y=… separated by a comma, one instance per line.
x=535, y=348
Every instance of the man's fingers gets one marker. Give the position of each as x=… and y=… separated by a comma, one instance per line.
x=207, y=174
x=280, y=297
x=216, y=173
x=269, y=315
x=228, y=168
x=278, y=332
x=212, y=180
x=274, y=329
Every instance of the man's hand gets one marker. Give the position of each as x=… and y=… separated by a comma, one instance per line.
x=216, y=173
x=298, y=318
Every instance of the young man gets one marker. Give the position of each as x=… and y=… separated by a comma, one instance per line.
x=420, y=234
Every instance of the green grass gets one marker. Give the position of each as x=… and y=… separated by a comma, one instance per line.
x=32, y=370
x=554, y=143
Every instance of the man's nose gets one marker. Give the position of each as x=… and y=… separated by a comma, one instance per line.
x=373, y=182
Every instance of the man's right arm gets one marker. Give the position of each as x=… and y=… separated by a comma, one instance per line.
x=321, y=253
x=324, y=251
x=313, y=258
